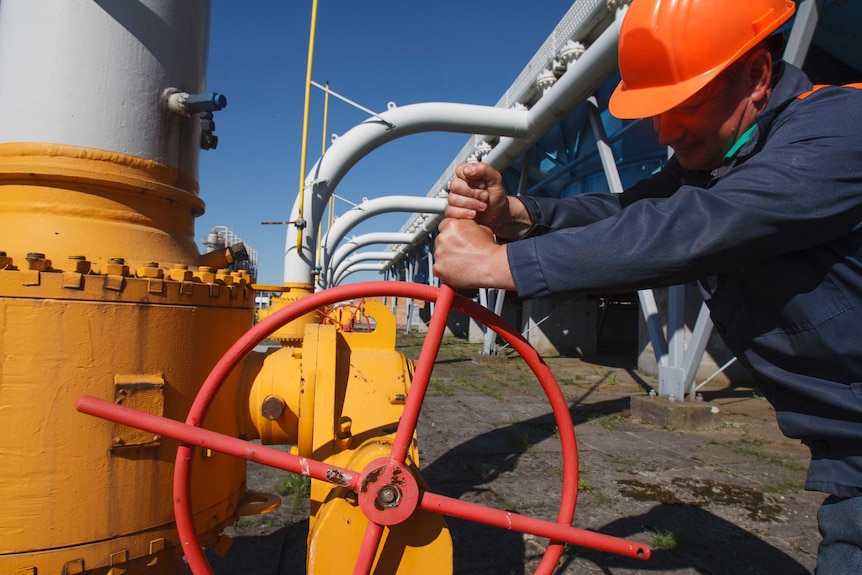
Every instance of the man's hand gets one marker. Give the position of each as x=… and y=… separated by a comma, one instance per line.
x=466, y=256
x=477, y=193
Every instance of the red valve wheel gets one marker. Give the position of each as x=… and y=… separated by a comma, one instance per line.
x=388, y=492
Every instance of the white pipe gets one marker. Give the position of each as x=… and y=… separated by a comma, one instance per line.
x=326, y=174
x=357, y=242
x=361, y=257
x=582, y=78
x=360, y=268
x=802, y=32
x=518, y=129
x=367, y=209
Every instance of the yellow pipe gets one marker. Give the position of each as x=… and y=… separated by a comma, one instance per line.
x=325, y=119
x=305, y=121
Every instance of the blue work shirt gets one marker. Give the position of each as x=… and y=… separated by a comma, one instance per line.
x=774, y=238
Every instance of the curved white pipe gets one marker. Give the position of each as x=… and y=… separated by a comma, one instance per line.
x=429, y=224
x=362, y=139
x=366, y=210
x=353, y=260
x=518, y=129
x=582, y=78
x=357, y=242
x=361, y=268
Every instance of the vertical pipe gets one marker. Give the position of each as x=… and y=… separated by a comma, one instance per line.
x=304, y=153
x=330, y=214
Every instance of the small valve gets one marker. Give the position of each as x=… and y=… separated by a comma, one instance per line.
x=185, y=104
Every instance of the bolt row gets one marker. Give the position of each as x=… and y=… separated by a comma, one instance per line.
x=117, y=266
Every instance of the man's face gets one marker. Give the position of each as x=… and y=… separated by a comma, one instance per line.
x=703, y=128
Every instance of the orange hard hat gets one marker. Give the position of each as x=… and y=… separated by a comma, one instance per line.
x=670, y=49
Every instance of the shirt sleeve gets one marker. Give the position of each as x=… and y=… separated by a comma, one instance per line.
x=800, y=187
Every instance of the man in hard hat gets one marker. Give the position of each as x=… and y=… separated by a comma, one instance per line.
x=761, y=203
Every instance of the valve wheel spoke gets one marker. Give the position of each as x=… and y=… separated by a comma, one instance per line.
x=387, y=490
x=424, y=366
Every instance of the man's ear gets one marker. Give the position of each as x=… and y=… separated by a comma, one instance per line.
x=760, y=76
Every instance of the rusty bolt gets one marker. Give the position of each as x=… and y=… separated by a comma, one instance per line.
x=344, y=428
x=36, y=261
x=5, y=262
x=119, y=441
x=79, y=264
x=272, y=407
x=389, y=496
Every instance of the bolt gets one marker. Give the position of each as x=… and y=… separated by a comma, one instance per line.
x=388, y=496
x=180, y=273
x=79, y=264
x=117, y=267
x=272, y=407
x=344, y=427
x=205, y=274
x=36, y=261
x=223, y=276
x=150, y=270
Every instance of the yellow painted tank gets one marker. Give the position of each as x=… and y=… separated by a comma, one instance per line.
x=100, y=293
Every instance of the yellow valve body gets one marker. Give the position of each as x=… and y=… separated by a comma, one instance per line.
x=339, y=397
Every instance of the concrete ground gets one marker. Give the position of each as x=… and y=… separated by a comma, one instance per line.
x=726, y=499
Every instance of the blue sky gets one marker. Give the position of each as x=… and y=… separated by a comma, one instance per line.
x=370, y=52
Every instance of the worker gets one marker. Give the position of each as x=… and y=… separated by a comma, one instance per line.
x=761, y=204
